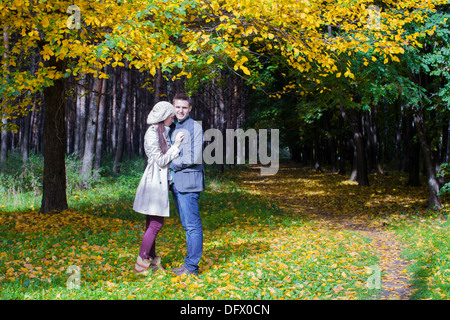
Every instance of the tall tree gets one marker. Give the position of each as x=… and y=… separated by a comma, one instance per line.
x=353, y=117
x=433, y=184
x=91, y=133
x=122, y=119
x=54, y=182
x=81, y=116
x=3, y=127
x=100, y=129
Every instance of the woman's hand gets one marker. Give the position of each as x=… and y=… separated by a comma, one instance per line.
x=178, y=139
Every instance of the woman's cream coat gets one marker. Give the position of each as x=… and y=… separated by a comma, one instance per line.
x=152, y=195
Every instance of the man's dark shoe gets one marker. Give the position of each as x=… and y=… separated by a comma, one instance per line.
x=182, y=270
x=175, y=270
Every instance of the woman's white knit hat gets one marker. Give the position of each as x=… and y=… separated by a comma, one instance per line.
x=160, y=112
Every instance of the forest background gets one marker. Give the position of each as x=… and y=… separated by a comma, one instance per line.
x=356, y=83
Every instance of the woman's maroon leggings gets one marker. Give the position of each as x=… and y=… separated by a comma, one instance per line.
x=152, y=226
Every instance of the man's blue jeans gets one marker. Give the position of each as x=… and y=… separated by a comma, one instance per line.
x=187, y=207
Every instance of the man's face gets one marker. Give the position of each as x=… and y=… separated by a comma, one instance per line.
x=182, y=109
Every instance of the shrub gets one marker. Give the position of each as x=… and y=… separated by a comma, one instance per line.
x=20, y=176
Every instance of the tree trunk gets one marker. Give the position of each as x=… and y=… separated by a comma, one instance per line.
x=434, y=201
x=354, y=121
x=54, y=182
x=71, y=123
x=81, y=116
x=220, y=107
x=331, y=148
x=343, y=147
x=113, y=121
x=25, y=143
x=157, y=86
x=129, y=127
x=4, y=143
x=100, y=130
x=412, y=151
x=122, y=119
x=445, y=158
x=25, y=146
x=444, y=149
x=354, y=162
x=372, y=147
x=316, y=153
x=441, y=157
x=4, y=131
x=91, y=129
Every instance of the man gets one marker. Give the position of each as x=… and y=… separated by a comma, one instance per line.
x=188, y=182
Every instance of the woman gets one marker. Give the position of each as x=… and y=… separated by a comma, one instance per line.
x=152, y=195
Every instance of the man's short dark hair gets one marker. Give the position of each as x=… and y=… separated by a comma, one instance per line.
x=182, y=96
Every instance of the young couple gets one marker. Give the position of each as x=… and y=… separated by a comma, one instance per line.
x=174, y=152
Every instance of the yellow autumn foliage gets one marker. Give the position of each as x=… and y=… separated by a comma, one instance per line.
x=178, y=35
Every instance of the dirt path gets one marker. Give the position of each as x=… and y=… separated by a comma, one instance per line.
x=294, y=188
x=395, y=282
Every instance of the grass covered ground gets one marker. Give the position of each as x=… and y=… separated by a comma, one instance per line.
x=265, y=238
